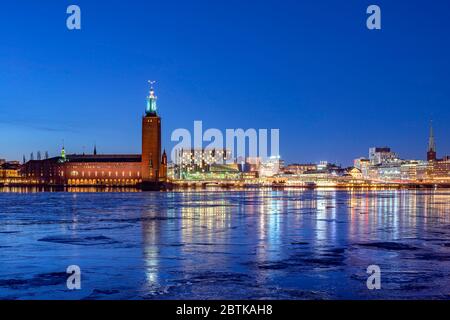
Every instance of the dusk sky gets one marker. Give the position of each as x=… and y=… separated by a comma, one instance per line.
x=310, y=68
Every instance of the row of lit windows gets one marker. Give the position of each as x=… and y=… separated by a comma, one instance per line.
x=102, y=181
x=75, y=173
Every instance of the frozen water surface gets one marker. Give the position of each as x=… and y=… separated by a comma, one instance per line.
x=255, y=244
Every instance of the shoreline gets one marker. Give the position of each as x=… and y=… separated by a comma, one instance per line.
x=223, y=187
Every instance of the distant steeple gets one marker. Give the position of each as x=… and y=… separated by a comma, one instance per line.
x=163, y=167
x=164, y=157
x=63, y=153
x=431, y=142
x=150, y=110
x=95, y=149
x=431, y=153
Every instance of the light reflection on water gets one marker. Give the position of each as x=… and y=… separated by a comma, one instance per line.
x=291, y=244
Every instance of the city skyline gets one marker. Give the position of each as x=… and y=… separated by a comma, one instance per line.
x=359, y=89
x=39, y=154
x=431, y=145
x=243, y=154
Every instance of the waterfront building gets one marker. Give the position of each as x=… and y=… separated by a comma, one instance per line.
x=323, y=165
x=171, y=171
x=214, y=172
x=381, y=155
x=329, y=168
x=384, y=172
x=199, y=160
x=256, y=161
x=84, y=170
x=271, y=167
x=296, y=168
x=9, y=172
x=439, y=170
x=252, y=164
x=204, y=164
x=356, y=173
x=225, y=171
x=363, y=165
x=413, y=171
x=400, y=171
x=106, y=170
x=250, y=176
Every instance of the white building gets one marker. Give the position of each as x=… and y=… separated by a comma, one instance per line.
x=382, y=155
x=270, y=167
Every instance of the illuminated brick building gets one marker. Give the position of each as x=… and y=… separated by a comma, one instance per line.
x=76, y=170
x=9, y=172
x=106, y=170
x=439, y=170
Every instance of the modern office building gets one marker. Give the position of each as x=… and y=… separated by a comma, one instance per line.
x=296, y=168
x=381, y=155
x=363, y=165
x=271, y=167
x=439, y=170
x=193, y=160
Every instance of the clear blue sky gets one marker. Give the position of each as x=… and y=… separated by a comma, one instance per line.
x=309, y=68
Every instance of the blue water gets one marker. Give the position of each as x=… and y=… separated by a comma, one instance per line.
x=255, y=244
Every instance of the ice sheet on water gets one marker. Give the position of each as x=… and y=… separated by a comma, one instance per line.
x=254, y=244
x=83, y=241
x=388, y=246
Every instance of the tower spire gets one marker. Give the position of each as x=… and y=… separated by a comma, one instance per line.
x=431, y=153
x=150, y=110
x=63, y=152
x=431, y=143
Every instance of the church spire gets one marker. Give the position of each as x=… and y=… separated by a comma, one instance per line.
x=150, y=110
x=431, y=154
x=63, y=152
x=431, y=143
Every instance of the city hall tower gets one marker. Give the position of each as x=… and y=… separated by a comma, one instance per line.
x=151, y=140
